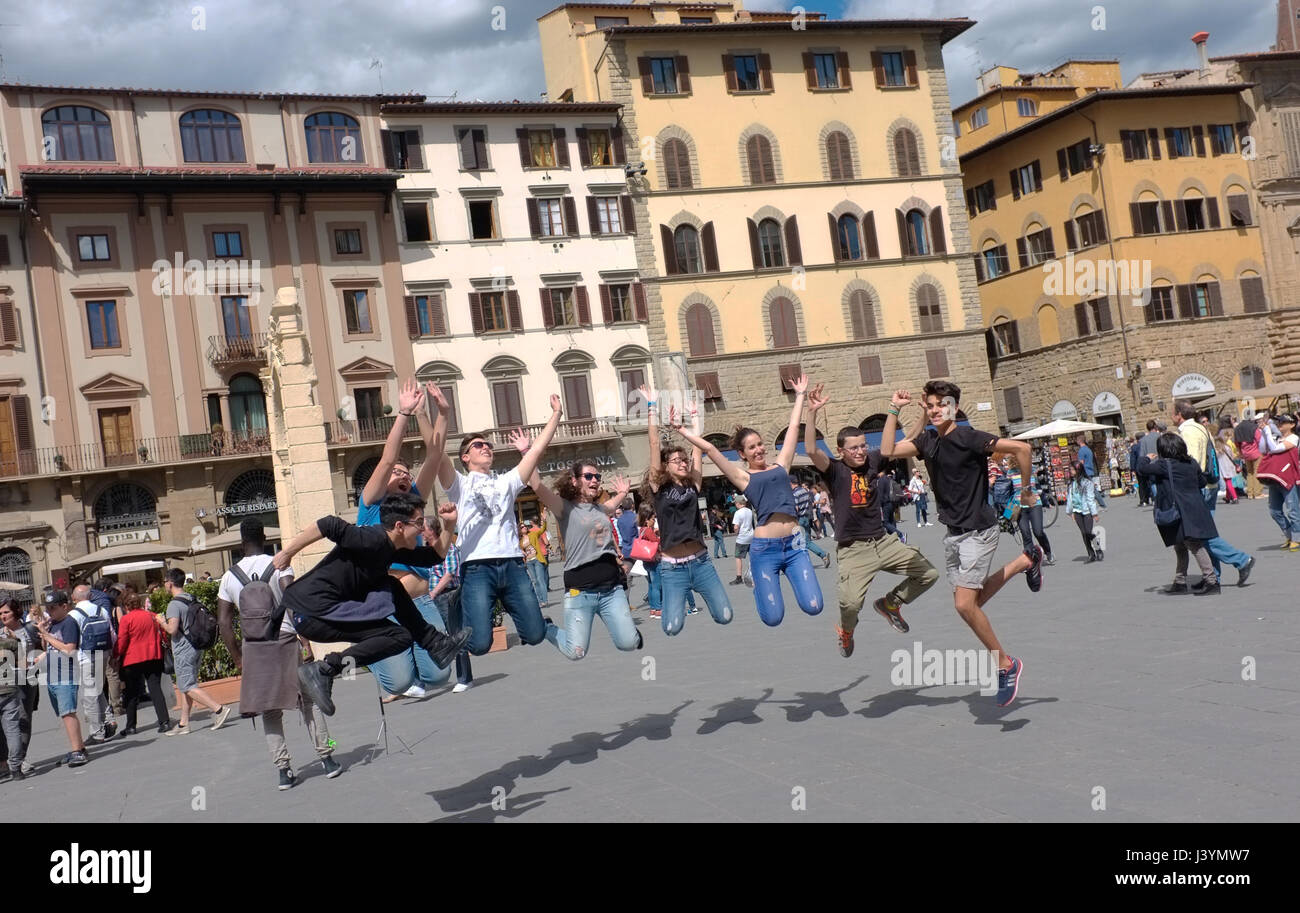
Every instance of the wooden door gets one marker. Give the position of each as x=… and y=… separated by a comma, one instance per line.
x=117, y=436
x=8, y=441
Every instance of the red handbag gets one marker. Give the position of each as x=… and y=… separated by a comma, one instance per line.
x=644, y=549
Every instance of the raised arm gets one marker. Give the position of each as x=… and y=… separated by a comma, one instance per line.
x=409, y=400
x=817, y=400
x=533, y=455
x=435, y=438
x=545, y=493
x=889, y=448
x=652, y=433
x=791, y=443
x=621, y=487
x=311, y=534
x=738, y=477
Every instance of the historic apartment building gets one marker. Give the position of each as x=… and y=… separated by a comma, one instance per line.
x=142, y=236
x=797, y=212
x=520, y=272
x=1117, y=243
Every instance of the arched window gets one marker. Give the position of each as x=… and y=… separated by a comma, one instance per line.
x=769, y=243
x=677, y=165
x=785, y=332
x=700, y=338
x=850, y=238
x=211, y=136
x=361, y=475
x=333, y=137
x=247, y=407
x=251, y=486
x=762, y=169
x=687, y=241
x=839, y=159
x=125, y=506
x=918, y=241
x=16, y=569
x=930, y=316
x=862, y=311
x=719, y=440
x=1252, y=377
x=906, y=154
x=75, y=133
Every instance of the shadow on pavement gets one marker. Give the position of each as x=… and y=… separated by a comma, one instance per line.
x=982, y=707
x=807, y=703
x=736, y=710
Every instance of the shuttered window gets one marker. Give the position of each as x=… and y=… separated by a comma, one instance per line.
x=1011, y=399
x=8, y=324
x=929, y=314
x=862, y=314
x=1239, y=210
x=758, y=153
x=785, y=331
x=869, y=373
x=1252, y=295
x=707, y=383
x=936, y=362
x=677, y=165
x=700, y=330
x=906, y=155
x=838, y=157
x=425, y=315
x=472, y=142
x=506, y=407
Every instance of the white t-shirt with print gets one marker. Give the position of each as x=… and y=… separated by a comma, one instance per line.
x=485, y=519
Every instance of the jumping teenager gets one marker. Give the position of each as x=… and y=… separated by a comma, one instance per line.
x=956, y=459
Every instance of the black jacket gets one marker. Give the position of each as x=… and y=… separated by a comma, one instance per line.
x=1186, y=491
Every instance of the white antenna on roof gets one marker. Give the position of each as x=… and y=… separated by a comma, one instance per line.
x=376, y=63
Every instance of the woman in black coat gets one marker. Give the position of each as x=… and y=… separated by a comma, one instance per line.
x=1179, y=483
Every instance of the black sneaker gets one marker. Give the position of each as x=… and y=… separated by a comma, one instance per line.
x=164, y=728
x=446, y=646
x=1175, y=589
x=891, y=615
x=75, y=758
x=17, y=775
x=317, y=684
x=1245, y=572
x=288, y=779
x=332, y=767
x=96, y=739
x=1207, y=589
x=734, y=582
x=1034, y=573
x=640, y=641
x=110, y=730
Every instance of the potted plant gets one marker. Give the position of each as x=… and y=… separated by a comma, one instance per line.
x=498, y=629
x=144, y=453
x=60, y=463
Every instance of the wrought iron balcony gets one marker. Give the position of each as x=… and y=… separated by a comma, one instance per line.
x=77, y=458
x=232, y=350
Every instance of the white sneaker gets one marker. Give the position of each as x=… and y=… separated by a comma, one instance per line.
x=462, y=687
x=414, y=691
x=929, y=524
x=918, y=524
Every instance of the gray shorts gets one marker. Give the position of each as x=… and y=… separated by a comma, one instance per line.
x=742, y=551
x=187, y=669
x=970, y=556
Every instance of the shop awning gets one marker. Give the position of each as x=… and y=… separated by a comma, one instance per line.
x=130, y=551
x=1061, y=428
x=129, y=566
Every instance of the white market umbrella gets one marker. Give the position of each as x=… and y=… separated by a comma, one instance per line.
x=1060, y=428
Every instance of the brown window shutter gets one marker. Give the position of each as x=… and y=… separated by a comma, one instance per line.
x=1126, y=142
x=979, y=268
x=476, y=313
x=846, y=74
x=414, y=151
x=780, y=318
x=1212, y=207
x=878, y=67
x=1216, y=299
x=1081, y=318
x=571, y=227
x=755, y=160
x=1070, y=237
x=4, y=250
x=617, y=145
x=1184, y=295
x=548, y=313
x=584, y=306
x=1021, y=254
x=1087, y=154
x=869, y=370
x=1198, y=137
x=1015, y=183
x=902, y=234
x=437, y=315
x=902, y=161
x=765, y=71
x=386, y=144
x=938, y=242
x=534, y=218
x=1239, y=209
x=1135, y=214
x=640, y=310
x=683, y=74
x=412, y=318
x=1011, y=398
x=629, y=214
x=8, y=323
x=584, y=151
x=755, y=252
x=793, y=252
x=788, y=374
x=1252, y=295
x=729, y=71
x=1104, y=320
x=869, y=236
x=936, y=361
x=1180, y=216
x=480, y=148
x=1048, y=245
x=606, y=306
x=909, y=61
x=1015, y=336
x=468, y=158
x=1167, y=210
x=833, y=157
x=970, y=200
x=1038, y=178
x=1099, y=225
x=668, y=243
x=837, y=251
x=810, y=70
x=1153, y=142
x=693, y=340
x=709, y=241
x=646, y=74
x=525, y=154
x=1169, y=141
x=707, y=383
x=23, y=423
x=1063, y=164
x=593, y=216
x=516, y=316
x=1215, y=149
x=561, y=147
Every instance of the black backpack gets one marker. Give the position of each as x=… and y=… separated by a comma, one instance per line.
x=200, y=629
x=260, y=611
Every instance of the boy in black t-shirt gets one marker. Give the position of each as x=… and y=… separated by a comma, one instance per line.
x=956, y=457
x=863, y=547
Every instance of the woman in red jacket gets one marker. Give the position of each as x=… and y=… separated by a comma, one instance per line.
x=139, y=645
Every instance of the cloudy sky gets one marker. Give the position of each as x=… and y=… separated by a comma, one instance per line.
x=441, y=47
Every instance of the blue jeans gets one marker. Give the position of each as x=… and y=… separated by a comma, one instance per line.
x=719, y=545
x=768, y=559
x=610, y=605
x=679, y=580
x=540, y=575
x=806, y=524
x=484, y=582
x=1102, y=490
x=1218, y=547
x=1284, y=507
x=413, y=666
x=654, y=593
x=449, y=608
x=922, y=504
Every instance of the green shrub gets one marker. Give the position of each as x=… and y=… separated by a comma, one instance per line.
x=216, y=661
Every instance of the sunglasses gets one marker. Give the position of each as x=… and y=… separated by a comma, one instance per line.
x=483, y=444
x=591, y=476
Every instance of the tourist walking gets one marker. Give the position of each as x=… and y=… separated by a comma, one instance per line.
x=743, y=521
x=1181, y=515
x=140, y=649
x=1279, y=471
x=1200, y=447
x=185, y=656
x=920, y=498
x=1081, y=502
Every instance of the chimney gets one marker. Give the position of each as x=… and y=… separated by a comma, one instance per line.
x=1199, y=39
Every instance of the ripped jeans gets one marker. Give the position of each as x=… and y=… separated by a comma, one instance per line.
x=768, y=559
x=610, y=605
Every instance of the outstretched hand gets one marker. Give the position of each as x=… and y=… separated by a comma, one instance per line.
x=410, y=396
x=817, y=399
x=435, y=394
x=800, y=384
x=557, y=406
x=521, y=440
x=621, y=485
